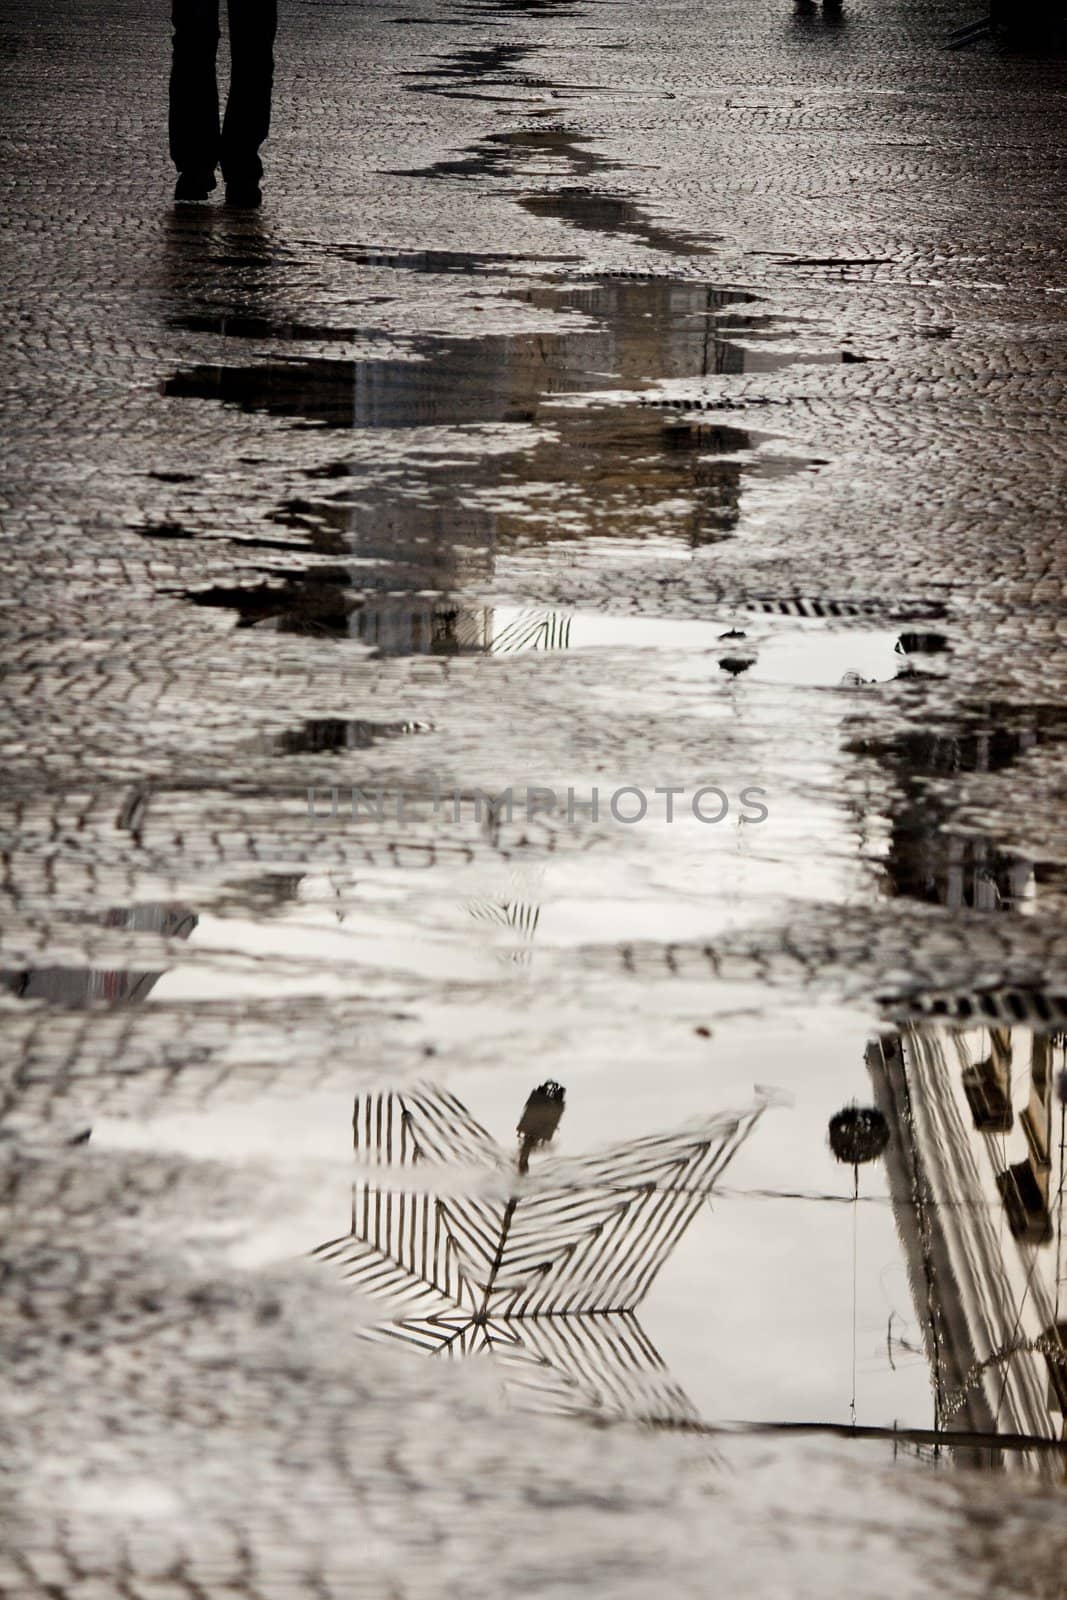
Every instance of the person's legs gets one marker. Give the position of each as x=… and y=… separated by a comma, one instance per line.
x=253, y=24
x=194, y=95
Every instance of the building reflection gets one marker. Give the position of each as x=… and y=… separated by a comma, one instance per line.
x=976, y=1168
x=976, y=1157
x=410, y=560
x=930, y=857
x=75, y=987
x=411, y=546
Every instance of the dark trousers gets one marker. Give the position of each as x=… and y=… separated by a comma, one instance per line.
x=197, y=144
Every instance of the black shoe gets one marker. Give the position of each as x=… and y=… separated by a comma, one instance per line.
x=193, y=186
x=244, y=196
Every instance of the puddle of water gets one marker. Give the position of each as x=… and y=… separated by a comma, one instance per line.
x=316, y=603
x=923, y=1289
x=238, y=325
x=560, y=151
x=851, y=659
x=592, y=211
x=465, y=917
x=332, y=603
x=739, y=357
x=913, y=643
x=939, y=867
x=461, y=384
x=925, y=1292
x=478, y=62
x=555, y=148
x=806, y=656
x=468, y=74
x=443, y=263
x=329, y=608
x=661, y=328
x=648, y=330
x=604, y=468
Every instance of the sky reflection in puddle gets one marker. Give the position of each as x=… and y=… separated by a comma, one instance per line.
x=804, y=655
x=927, y=1290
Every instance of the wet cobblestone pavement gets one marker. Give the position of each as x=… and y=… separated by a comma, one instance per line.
x=610, y=398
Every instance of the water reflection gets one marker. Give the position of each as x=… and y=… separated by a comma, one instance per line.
x=811, y=18
x=490, y=66
x=930, y=857
x=404, y=546
x=978, y=1194
x=593, y=211
x=319, y=735
x=564, y=152
x=646, y=329
x=77, y=987
x=546, y=1272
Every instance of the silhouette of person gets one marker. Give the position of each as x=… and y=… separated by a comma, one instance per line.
x=197, y=144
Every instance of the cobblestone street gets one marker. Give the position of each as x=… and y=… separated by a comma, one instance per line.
x=665, y=403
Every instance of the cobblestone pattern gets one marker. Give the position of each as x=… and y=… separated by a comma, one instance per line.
x=881, y=198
